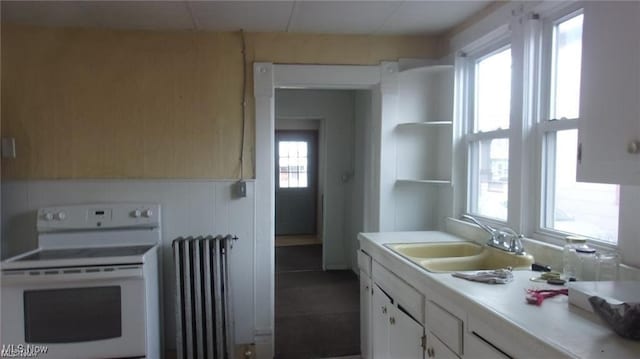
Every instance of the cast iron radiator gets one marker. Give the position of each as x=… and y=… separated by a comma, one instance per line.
x=204, y=319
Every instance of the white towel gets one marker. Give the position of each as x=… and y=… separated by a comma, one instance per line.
x=498, y=276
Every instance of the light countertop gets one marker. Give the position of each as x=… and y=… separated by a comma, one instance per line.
x=565, y=329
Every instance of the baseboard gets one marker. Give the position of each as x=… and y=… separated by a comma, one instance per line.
x=245, y=351
x=263, y=347
x=337, y=267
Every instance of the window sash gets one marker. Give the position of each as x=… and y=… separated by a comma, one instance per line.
x=473, y=177
x=546, y=130
x=473, y=137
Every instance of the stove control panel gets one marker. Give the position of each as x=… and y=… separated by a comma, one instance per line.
x=95, y=216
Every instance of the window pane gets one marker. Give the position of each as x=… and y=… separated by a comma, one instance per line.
x=493, y=92
x=292, y=164
x=565, y=81
x=490, y=194
x=588, y=209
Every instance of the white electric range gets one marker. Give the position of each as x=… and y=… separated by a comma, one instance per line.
x=91, y=288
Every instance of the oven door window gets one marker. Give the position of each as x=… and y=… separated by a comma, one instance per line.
x=72, y=315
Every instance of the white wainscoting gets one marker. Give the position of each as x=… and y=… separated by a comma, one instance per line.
x=188, y=208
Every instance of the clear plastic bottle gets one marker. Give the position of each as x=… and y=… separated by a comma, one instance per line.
x=578, y=259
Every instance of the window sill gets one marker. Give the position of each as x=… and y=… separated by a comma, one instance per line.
x=558, y=239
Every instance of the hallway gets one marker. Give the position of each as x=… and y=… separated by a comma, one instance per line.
x=317, y=312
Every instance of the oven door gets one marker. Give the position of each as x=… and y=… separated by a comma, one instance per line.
x=95, y=312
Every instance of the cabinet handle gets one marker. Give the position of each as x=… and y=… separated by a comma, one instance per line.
x=580, y=152
x=384, y=310
x=392, y=320
x=430, y=352
x=633, y=147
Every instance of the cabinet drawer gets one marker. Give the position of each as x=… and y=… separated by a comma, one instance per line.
x=437, y=350
x=402, y=293
x=478, y=347
x=446, y=326
x=364, y=263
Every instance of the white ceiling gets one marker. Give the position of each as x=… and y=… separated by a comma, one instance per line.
x=347, y=17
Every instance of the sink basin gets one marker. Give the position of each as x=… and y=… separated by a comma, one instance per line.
x=489, y=258
x=460, y=256
x=437, y=250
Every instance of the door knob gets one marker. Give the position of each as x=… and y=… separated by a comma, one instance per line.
x=633, y=147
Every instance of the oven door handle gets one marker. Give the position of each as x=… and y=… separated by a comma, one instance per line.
x=20, y=278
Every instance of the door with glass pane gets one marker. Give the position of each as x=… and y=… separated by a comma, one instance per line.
x=296, y=182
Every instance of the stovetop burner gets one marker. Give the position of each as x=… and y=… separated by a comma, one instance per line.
x=93, y=252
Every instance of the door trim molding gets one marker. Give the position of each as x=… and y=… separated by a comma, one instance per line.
x=268, y=77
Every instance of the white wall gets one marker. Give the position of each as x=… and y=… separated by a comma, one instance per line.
x=363, y=163
x=188, y=208
x=337, y=110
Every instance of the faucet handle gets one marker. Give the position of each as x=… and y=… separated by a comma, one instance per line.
x=516, y=245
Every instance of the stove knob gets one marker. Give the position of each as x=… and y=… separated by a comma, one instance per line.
x=136, y=213
x=61, y=216
x=147, y=213
x=48, y=216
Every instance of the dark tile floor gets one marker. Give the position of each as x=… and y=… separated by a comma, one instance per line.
x=317, y=313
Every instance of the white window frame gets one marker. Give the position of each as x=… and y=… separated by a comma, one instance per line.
x=524, y=30
x=545, y=126
x=491, y=44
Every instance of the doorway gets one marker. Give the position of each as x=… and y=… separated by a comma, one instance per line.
x=296, y=192
x=268, y=80
x=316, y=148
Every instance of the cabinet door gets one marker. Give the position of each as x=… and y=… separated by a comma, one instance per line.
x=381, y=305
x=610, y=93
x=437, y=350
x=365, y=315
x=405, y=341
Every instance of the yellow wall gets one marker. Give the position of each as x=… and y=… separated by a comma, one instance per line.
x=90, y=103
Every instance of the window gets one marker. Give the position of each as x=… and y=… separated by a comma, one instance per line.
x=488, y=137
x=293, y=164
x=587, y=209
x=521, y=113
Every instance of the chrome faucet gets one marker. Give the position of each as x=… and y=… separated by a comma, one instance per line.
x=504, y=238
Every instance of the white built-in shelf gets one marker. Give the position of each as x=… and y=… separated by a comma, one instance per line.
x=425, y=181
x=428, y=69
x=426, y=123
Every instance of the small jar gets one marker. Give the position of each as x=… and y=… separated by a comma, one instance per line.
x=578, y=259
x=586, y=263
x=607, y=266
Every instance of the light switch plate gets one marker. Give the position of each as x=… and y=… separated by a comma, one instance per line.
x=240, y=189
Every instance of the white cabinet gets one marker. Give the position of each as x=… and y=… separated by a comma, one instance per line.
x=380, y=328
x=479, y=348
x=395, y=334
x=397, y=316
x=609, y=126
x=436, y=349
x=445, y=332
x=365, y=314
x=405, y=337
x=366, y=291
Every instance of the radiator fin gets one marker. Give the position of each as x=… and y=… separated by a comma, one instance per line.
x=204, y=322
